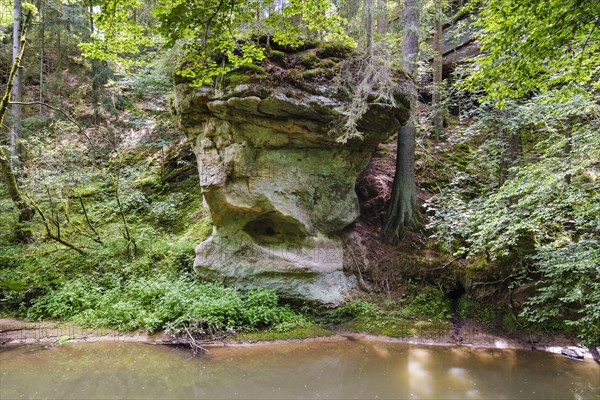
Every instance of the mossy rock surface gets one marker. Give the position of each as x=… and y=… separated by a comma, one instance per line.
x=279, y=187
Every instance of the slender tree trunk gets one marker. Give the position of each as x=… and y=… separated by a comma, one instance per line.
x=42, y=45
x=436, y=103
x=26, y=212
x=410, y=36
x=17, y=89
x=369, y=27
x=382, y=23
x=91, y=10
x=402, y=212
x=512, y=155
x=568, y=147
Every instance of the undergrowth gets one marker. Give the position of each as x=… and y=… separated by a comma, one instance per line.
x=162, y=302
x=422, y=311
x=126, y=199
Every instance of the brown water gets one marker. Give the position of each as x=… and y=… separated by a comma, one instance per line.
x=338, y=370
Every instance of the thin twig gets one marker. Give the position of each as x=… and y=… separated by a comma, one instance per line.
x=67, y=116
x=127, y=234
x=49, y=232
x=89, y=223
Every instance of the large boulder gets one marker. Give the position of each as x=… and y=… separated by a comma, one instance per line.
x=279, y=187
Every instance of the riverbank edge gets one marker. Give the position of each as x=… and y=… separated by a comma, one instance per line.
x=50, y=333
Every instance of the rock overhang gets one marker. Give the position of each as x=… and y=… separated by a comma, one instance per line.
x=278, y=185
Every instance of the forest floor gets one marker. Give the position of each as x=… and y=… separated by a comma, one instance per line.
x=472, y=335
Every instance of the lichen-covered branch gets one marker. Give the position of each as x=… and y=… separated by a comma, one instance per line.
x=26, y=212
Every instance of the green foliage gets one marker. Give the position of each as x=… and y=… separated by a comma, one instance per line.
x=69, y=178
x=276, y=55
x=217, y=35
x=537, y=203
x=309, y=60
x=429, y=303
x=119, y=33
x=168, y=211
x=534, y=211
x=308, y=330
x=334, y=49
x=161, y=302
x=485, y=314
x=427, y=310
x=509, y=323
x=536, y=46
x=569, y=289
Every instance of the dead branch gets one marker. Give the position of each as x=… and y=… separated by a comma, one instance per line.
x=126, y=234
x=51, y=235
x=67, y=116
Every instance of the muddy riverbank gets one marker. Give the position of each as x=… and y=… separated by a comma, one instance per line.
x=471, y=335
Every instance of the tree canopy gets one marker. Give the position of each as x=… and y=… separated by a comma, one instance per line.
x=533, y=46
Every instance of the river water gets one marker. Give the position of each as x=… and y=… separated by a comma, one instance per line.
x=334, y=370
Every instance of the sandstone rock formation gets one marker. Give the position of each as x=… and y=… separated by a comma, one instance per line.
x=279, y=188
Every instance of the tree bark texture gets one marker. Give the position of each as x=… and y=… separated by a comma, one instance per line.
x=17, y=88
x=369, y=26
x=382, y=23
x=436, y=103
x=26, y=212
x=402, y=211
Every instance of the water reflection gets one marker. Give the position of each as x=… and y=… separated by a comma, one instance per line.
x=301, y=370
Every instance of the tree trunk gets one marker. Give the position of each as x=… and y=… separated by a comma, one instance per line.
x=436, y=103
x=382, y=23
x=568, y=147
x=512, y=155
x=410, y=36
x=42, y=45
x=17, y=89
x=26, y=212
x=402, y=211
x=369, y=27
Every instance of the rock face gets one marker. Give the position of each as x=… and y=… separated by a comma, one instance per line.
x=279, y=188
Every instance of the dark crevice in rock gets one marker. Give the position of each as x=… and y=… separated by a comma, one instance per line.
x=275, y=228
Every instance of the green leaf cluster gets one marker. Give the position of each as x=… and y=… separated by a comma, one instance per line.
x=537, y=220
x=117, y=34
x=568, y=289
x=161, y=302
x=533, y=46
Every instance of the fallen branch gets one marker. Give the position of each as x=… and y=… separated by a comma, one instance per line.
x=193, y=343
x=361, y=282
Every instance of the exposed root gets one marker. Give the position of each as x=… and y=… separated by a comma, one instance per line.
x=380, y=266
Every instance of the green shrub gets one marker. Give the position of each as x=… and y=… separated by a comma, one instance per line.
x=169, y=211
x=509, y=323
x=276, y=55
x=134, y=201
x=252, y=68
x=162, y=302
x=309, y=60
x=430, y=303
x=334, y=49
x=485, y=314
x=568, y=293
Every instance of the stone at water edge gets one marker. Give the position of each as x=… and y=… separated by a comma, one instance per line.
x=278, y=186
x=571, y=353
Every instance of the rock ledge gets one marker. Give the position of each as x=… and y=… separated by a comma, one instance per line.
x=279, y=188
